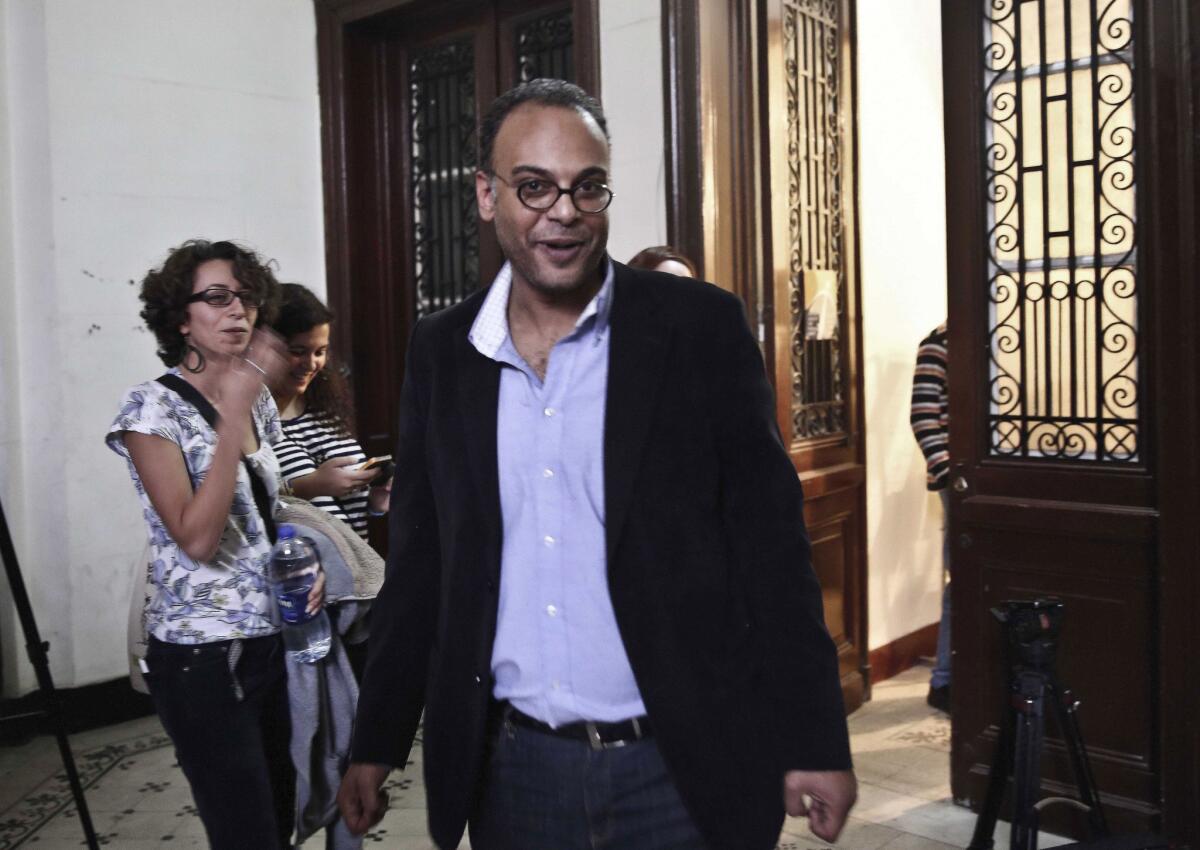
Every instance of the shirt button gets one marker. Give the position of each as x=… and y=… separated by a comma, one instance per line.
x=549, y=411
x=547, y=473
x=548, y=540
x=552, y=610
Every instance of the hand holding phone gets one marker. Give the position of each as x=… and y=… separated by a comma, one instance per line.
x=372, y=463
x=384, y=465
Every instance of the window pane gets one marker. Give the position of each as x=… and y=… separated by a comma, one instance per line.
x=445, y=228
x=544, y=47
x=1059, y=121
x=812, y=57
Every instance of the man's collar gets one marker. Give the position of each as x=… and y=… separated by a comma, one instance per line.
x=490, y=328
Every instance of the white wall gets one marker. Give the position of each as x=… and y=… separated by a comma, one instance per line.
x=903, y=247
x=632, y=92
x=10, y=409
x=128, y=126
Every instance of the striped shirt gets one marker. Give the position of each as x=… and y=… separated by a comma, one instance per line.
x=310, y=439
x=930, y=412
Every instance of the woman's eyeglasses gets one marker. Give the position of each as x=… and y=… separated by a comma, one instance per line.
x=220, y=296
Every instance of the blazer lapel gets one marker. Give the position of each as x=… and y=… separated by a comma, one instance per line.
x=636, y=365
x=478, y=399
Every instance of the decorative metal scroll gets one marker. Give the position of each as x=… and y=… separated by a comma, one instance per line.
x=445, y=227
x=544, y=47
x=1062, y=259
x=812, y=56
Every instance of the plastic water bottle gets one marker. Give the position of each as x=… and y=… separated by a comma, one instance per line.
x=294, y=568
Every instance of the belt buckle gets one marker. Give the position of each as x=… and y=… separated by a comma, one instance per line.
x=597, y=743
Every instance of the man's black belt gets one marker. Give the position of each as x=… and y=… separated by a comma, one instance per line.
x=600, y=736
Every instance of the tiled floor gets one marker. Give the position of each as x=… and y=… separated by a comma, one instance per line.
x=139, y=799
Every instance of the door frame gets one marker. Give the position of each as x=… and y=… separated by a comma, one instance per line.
x=1175, y=49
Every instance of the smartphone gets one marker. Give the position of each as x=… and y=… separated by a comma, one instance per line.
x=372, y=463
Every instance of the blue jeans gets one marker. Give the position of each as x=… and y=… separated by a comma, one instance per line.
x=941, y=670
x=230, y=730
x=542, y=792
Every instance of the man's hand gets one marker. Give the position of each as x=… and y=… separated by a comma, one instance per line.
x=830, y=795
x=361, y=798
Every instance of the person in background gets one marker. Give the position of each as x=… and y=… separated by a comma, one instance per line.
x=320, y=456
x=930, y=419
x=215, y=660
x=663, y=258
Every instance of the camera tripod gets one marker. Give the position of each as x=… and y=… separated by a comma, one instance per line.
x=1032, y=631
x=36, y=648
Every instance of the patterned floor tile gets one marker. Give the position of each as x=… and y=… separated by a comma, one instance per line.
x=138, y=797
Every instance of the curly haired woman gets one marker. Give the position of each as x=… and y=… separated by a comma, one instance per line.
x=215, y=658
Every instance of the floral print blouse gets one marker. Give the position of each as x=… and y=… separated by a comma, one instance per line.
x=227, y=596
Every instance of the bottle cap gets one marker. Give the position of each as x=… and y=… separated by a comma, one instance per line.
x=285, y=531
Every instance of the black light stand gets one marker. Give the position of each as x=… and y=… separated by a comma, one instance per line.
x=36, y=648
x=1031, y=628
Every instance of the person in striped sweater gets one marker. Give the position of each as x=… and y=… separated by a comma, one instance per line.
x=319, y=455
x=930, y=419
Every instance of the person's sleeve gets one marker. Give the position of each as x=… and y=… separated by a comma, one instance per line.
x=294, y=461
x=763, y=508
x=927, y=410
x=143, y=412
x=405, y=613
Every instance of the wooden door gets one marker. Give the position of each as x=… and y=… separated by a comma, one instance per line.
x=1063, y=158
x=403, y=87
x=761, y=189
x=813, y=339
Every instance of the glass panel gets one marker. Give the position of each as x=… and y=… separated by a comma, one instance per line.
x=812, y=58
x=1062, y=259
x=445, y=228
x=544, y=47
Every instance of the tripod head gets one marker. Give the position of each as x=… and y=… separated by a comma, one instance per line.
x=1031, y=627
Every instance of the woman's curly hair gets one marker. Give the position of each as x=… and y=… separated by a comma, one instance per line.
x=328, y=392
x=165, y=290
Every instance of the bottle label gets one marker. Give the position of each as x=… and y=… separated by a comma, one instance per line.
x=292, y=603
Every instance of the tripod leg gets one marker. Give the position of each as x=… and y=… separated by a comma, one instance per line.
x=1002, y=762
x=68, y=760
x=41, y=665
x=1065, y=707
x=1028, y=702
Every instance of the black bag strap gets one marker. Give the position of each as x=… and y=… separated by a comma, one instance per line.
x=197, y=400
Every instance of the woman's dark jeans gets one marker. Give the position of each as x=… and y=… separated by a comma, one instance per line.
x=230, y=729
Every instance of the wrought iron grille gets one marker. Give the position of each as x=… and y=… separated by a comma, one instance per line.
x=1062, y=260
x=544, y=47
x=445, y=228
x=812, y=55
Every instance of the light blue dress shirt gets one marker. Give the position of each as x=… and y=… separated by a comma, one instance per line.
x=558, y=654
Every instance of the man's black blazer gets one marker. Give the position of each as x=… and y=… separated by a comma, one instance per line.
x=708, y=564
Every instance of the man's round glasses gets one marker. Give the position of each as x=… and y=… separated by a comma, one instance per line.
x=588, y=196
x=219, y=296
